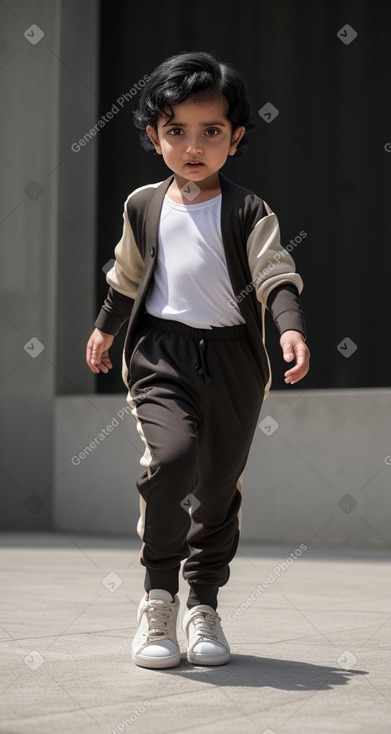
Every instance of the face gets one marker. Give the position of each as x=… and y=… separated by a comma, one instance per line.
x=195, y=144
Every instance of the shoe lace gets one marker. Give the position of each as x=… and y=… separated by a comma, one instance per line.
x=205, y=625
x=158, y=615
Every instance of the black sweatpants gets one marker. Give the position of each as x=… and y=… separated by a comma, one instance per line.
x=196, y=394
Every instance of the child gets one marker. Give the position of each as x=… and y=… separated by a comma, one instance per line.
x=198, y=263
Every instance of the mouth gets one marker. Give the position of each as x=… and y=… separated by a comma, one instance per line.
x=194, y=164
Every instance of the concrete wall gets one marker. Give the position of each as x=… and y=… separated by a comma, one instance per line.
x=318, y=477
x=48, y=94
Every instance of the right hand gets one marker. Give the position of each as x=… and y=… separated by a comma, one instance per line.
x=97, y=355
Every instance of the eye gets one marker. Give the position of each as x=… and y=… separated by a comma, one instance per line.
x=175, y=131
x=211, y=132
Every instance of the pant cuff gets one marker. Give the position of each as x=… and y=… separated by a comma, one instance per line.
x=199, y=594
x=168, y=580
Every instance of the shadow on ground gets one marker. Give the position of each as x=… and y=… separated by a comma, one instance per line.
x=249, y=670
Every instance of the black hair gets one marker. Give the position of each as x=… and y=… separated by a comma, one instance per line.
x=192, y=74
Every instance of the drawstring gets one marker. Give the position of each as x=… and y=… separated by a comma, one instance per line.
x=198, y=336
x=201, y=366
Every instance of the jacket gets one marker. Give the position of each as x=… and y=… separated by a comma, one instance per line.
x=262, y=272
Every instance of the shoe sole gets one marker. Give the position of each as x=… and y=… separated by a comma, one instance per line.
x=157, y=663
x=199, y=659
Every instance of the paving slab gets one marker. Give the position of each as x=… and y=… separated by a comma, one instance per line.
x=310, y=636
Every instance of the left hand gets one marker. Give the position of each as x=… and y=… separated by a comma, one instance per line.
x=294, y=346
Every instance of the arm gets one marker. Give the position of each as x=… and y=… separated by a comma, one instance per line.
x=123, y=279
x=278, y=287
x=284, y=306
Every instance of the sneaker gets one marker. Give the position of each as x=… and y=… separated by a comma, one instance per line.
x=207, y=644
x=155, y=644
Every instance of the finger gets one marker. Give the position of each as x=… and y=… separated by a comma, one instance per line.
x=300, y=361
x=96, y=355
x=88, y=351
x=95, y=362
x=301, y=367
x=106, y=361
x=288, y=351
x=292, y=378
x=102, y=366
x=92, y=367
x=106, y=358
x=297, y=372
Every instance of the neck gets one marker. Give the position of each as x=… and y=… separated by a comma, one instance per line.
x=185, y=191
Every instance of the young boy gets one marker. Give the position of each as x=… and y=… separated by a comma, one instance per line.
x=198, y=263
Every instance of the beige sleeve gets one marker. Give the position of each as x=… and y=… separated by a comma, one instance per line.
x=270, y=264
x=125, y=275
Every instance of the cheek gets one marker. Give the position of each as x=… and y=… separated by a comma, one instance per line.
x=221, y=143
x=166, y=148
x=221, y=149
x=169, y=144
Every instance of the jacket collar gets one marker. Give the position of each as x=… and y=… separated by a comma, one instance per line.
x=153, y=214
x=156, y=202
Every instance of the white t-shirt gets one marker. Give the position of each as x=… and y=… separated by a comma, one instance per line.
x=191, y=283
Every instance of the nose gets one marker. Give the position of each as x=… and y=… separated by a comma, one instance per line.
x=194, y=147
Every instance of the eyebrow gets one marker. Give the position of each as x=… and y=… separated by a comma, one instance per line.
x=185, y=124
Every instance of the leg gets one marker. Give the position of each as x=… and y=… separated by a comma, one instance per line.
x=168, y=420
x=232, y=409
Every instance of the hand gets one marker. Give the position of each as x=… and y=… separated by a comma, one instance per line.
x=97, y=355
x=293, y=345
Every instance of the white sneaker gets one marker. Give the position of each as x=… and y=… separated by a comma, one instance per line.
x=155, y=644
x=207, y=644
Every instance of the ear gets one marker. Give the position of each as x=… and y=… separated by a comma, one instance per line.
x=236, y=138
x=154, y=138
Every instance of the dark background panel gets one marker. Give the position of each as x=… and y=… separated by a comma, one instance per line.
x=320, y=164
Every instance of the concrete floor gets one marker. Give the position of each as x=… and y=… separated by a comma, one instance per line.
x=310, y=653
